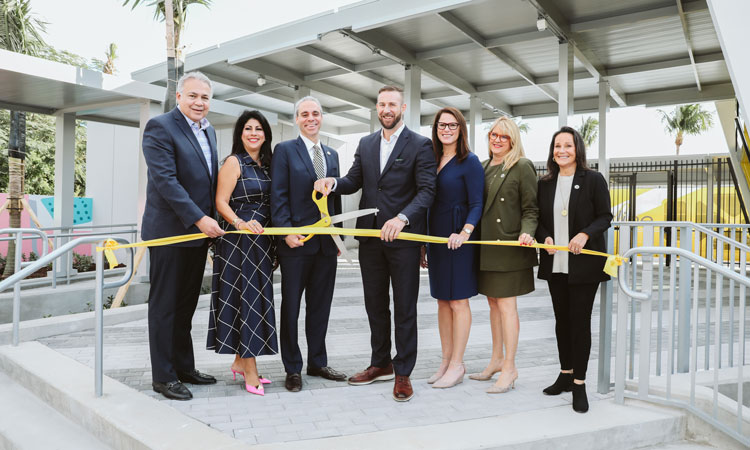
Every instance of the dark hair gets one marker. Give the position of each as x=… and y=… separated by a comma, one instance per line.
x=552, y=168
x=265, y=149
x=462, y=145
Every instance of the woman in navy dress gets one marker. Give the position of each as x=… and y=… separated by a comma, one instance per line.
x=242, y=321
x=454, y=214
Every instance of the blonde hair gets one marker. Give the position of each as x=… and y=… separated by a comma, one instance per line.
x=508, y=126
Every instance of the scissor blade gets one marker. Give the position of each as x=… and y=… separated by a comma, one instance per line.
x=342, y=248
x=338, y=218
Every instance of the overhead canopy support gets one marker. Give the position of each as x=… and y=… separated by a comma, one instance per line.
x=565, y=77
x=688, y=42
x=603, y=110
x=412, y=94
x=65, y=167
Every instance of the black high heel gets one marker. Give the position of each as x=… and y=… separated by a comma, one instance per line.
x=562, y=384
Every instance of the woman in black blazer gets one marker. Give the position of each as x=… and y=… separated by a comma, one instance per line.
x=574, y=210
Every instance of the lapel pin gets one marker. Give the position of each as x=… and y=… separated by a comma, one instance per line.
x=329, y=153
x=576, y=186
x=502, y=175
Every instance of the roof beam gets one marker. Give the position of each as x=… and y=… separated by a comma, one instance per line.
x=498, y=41
x=464, y=28
x=92, y=107
x=687, y=94
x=345, y=67
x=634, y=17
x=429, y=68
x=288, y=76
x=556, y=20
x=688, y=43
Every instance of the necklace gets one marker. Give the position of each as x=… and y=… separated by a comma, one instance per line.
x=564, y=204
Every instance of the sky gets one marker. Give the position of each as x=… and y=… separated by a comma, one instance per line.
x=86, y=27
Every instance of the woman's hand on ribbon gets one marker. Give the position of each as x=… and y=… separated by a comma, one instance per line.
x=455, y=240
x=253, y=226
x=549, y=241
x=525, y=239
x=577, y=243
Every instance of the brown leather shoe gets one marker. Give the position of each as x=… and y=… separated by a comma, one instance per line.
x=372, y=374
x=402, y=391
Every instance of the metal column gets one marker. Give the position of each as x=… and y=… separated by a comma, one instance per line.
x=565, y=83
x=65, y=161
x=413, y=97
x=475, y=121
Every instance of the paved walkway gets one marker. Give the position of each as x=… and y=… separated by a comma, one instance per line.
x=326, y=408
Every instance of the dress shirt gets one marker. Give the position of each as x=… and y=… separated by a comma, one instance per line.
x=309, y=145
x=199, y=130
x=560, y=258
x=386, y=147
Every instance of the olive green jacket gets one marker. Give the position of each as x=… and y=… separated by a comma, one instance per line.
x=510, y=209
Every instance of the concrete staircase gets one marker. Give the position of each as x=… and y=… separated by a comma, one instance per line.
x=47, y=398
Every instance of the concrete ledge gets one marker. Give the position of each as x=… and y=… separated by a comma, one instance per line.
x=30, y=330
x=122, y=417
x=606, y=426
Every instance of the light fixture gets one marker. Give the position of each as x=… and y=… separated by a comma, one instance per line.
x=261, y=80
x=541, y=23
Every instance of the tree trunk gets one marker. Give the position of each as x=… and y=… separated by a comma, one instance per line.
x=172, y=77
x=678, y=142
x=16, y=156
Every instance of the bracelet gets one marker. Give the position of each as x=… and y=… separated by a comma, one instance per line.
x=467, y=231
x=236, y=221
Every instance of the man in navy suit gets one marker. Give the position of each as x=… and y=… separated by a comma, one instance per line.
x=310, y=266
x=396, y=169
x=180, y=151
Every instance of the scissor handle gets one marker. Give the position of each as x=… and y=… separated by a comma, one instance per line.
x=325, y=218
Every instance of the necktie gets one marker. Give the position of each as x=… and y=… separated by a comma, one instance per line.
x=320, y=170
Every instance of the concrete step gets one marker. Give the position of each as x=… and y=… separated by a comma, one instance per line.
x=122, y=418
x=29, y=423
x=682, y=445
x=607, y=426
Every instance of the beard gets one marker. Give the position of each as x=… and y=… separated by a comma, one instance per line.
x=396, y=120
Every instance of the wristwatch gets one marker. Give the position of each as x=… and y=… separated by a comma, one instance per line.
x=467, y=231
x=403, y=218
x=236, y=221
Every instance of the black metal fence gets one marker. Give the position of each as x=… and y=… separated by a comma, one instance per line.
x=701, y=191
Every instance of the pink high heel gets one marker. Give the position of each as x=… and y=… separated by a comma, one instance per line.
x=260, y=377
x=257, y=390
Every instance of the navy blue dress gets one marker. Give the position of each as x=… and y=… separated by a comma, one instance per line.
x=242, y=319
x=459, y=200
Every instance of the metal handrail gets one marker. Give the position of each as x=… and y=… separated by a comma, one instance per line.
x=32, y=266
x=696, y=226
x=644, y=389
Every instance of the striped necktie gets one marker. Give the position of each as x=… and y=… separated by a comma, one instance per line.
x=320, y=170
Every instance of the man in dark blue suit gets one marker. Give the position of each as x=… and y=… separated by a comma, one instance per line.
x=310, y=266
x=180, y=151
x=396, y=170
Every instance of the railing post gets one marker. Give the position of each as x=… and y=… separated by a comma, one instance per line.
x=17, y=289
x=683, y=317
x=605, y=325
x=99, y=332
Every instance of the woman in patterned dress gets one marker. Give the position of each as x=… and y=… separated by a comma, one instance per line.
x=242, y=320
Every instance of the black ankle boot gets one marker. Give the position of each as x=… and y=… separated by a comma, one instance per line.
x=580, y=400
x=562, y=384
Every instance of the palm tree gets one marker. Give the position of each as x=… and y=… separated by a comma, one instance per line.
x=174, y=13
x=686, y=119
x=107, y=65
x=523, y=127
x=589, y=130
x=22, y=33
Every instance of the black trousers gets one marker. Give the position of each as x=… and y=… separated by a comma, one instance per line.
x=382, y=266
x=176, y=275
x=315, y=275
x=573, y=304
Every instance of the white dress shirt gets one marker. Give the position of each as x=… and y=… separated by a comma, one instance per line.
x=309, y=145
x=386, y=147
x=560, y=258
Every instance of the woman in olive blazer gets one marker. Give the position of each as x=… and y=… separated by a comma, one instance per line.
x=510, y=213
x=575, y=212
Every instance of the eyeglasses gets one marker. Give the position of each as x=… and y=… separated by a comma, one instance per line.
x=451, y=126
x=502, y=137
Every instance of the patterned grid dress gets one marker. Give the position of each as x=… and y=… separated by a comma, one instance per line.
x=242, y=319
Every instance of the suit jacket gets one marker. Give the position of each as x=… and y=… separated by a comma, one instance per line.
x=292, y=179
x=406, y=184
x=510, y=209
x=180, y=188
x=589, y=211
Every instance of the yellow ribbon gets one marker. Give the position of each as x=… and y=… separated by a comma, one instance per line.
x=323, y=227
x=109, y=245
